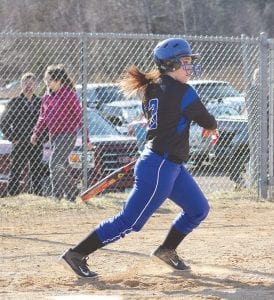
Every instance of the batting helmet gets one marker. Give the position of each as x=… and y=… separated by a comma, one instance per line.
x=167, y=53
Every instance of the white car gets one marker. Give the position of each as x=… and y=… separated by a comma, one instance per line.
x=3, y=104
x=122, y=113
x=228, y=117
x=216, y=91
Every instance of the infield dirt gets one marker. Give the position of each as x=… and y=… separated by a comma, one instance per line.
x=231, y=253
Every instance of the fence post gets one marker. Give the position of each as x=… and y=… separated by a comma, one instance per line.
x=271, y=120
x=263, y=93
x=84, y=80
x=252, y=108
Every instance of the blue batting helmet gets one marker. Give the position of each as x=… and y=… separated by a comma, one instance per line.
x=168, y=52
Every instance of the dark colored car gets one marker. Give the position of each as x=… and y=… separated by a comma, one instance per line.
x=111, y=150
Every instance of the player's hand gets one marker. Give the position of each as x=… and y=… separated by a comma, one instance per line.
x=206, y=133
x=214, y=134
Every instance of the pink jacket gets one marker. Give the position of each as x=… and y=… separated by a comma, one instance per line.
x=60, y=113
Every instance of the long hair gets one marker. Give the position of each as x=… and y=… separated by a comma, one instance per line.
x=136, y=81
x=58, y=72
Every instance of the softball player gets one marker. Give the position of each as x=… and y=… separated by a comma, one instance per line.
x=169, y=104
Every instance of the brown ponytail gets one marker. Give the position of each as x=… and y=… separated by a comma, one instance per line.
x=135, y=81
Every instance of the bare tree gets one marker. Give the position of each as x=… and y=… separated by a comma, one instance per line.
x=191, y=17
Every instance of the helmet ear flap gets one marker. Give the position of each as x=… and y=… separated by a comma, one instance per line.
x=169, y=65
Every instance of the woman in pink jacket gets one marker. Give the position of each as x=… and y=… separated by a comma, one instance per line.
x=61, y=115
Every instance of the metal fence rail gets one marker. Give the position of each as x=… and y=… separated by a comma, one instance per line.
x=236, y=85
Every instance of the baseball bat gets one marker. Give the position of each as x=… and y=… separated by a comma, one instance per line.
x=107, y=181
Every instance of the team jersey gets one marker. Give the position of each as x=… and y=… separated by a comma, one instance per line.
x=170, y=111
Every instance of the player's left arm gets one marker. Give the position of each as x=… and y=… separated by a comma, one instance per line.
x=198, y=113
x=194, y=110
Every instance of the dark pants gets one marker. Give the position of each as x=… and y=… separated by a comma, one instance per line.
x=63, y=185
x=237, y=165
x=23, y=154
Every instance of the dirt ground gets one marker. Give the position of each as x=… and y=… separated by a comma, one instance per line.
x=231, y=253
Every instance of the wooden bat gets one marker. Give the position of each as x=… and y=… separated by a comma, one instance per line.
x=107, y=181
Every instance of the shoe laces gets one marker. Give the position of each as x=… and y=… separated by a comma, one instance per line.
x=174, y=255
x=84, y=262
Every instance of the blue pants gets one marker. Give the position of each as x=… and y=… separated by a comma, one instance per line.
x=157, y=179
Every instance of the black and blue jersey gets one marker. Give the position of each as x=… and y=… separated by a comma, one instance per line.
x=170, y=109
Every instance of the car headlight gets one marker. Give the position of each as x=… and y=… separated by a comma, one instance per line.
x=76, y=158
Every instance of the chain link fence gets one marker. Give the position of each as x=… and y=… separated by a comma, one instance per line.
x=236, y=86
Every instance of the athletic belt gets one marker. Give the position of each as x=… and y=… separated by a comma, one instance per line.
x=169, y=157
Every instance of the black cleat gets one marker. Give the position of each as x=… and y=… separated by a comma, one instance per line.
x=77, y=262
x=171, y=258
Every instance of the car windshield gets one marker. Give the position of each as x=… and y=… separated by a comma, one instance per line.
x=215, y=90
x=103, y=94
x=97, y=125
x=108, y=93
x=219, y=110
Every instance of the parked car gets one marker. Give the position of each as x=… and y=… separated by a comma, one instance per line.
x=111, y=150
x=200, y=147
x=230, y=153
x=3, y=103
x=99, y=94
x=122, y=113
x=5, y=150
x=10, y=90
x=216, y=91
x=138, y=128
